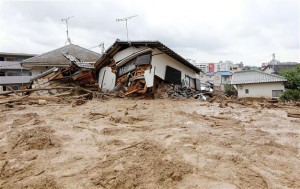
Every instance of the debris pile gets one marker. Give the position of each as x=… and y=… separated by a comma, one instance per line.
x=166, y=90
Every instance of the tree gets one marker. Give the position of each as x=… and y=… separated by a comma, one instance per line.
x=230, y=90
x=292, y=85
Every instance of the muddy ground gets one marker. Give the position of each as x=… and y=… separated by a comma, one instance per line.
x=149, y=144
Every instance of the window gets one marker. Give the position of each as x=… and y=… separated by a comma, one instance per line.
x=10, y=59
x=1, y=58
x=173, y=75
x=14, y=73
x=277, y=93
x=2, y=73
x=247, y=91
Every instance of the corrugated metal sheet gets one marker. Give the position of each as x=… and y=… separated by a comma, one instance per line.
x=253, y=76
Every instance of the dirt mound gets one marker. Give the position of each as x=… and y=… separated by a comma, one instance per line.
x=37, y=138
x=140, y=165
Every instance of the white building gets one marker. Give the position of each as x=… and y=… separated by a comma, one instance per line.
x=220, y=66
x=12, y=74
x=253, y=83
x=122, y=61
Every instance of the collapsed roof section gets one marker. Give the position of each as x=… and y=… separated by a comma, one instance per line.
x=56, y=57
x=121, y=45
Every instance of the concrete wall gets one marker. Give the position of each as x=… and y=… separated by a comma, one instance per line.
x=38, y=70
x=259, y=89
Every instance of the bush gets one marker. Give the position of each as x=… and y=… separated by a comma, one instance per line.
x=291, y=94
x=230, y=90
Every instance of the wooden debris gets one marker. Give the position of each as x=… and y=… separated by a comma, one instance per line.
x=294, y=115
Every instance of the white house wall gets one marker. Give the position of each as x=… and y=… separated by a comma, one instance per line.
x=106, y=79
x=161, y=61
x=259, y=89
x=126, y=52
x=159, y=64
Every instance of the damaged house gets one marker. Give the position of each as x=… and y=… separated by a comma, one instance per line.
x=139, y=67
x=55, y=58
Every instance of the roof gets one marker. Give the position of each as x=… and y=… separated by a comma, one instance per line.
x=10, y=65
x=254, y=76
x=120, y=45
x=223, y=73
x=56, y=58
x=16, y=54
x=281, y=66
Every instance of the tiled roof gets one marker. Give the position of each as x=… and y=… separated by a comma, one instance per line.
x=120, y=45
x=56, y=58
x=281, y=67
x=225, y=73
x=254, y=76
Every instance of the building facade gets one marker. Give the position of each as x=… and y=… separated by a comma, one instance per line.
x=258, y=84
x=12, y=74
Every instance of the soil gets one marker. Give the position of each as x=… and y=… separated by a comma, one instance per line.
x=122, y=143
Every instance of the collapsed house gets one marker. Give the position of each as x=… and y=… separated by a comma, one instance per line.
x=55, y=58
x=78, y=73
x=139, y=67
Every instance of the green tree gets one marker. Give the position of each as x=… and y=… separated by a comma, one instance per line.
x=230, y=90
x=292, y=85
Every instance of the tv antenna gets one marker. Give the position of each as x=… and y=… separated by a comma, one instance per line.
x=125, y=19
x=67, y=24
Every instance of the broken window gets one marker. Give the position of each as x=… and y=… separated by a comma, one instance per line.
x=143, y=59
x=173, y=75
x=247, y=91
x=129, y=66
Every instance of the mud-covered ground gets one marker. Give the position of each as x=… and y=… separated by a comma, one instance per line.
x=149, y=144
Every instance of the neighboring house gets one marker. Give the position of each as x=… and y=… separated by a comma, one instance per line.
x=123, y=59
x=279, y=67
x=11, y=72
x=253, y=83
x=219, y=79
x=55, y=58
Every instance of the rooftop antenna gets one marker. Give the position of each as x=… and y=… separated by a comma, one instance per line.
x=102, y=48
x=125, y=19
x=67, y=24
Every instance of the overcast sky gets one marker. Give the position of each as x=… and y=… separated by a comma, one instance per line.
x=203, y=30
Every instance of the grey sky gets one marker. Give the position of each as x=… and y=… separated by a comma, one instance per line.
x=207, y=31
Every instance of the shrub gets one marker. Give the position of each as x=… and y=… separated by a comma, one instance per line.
x=291, y=94
x=230, y=90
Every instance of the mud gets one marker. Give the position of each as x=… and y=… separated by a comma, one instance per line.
x=150, y=144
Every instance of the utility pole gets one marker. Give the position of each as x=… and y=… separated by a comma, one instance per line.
x=125, y=19
x=67, y=24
